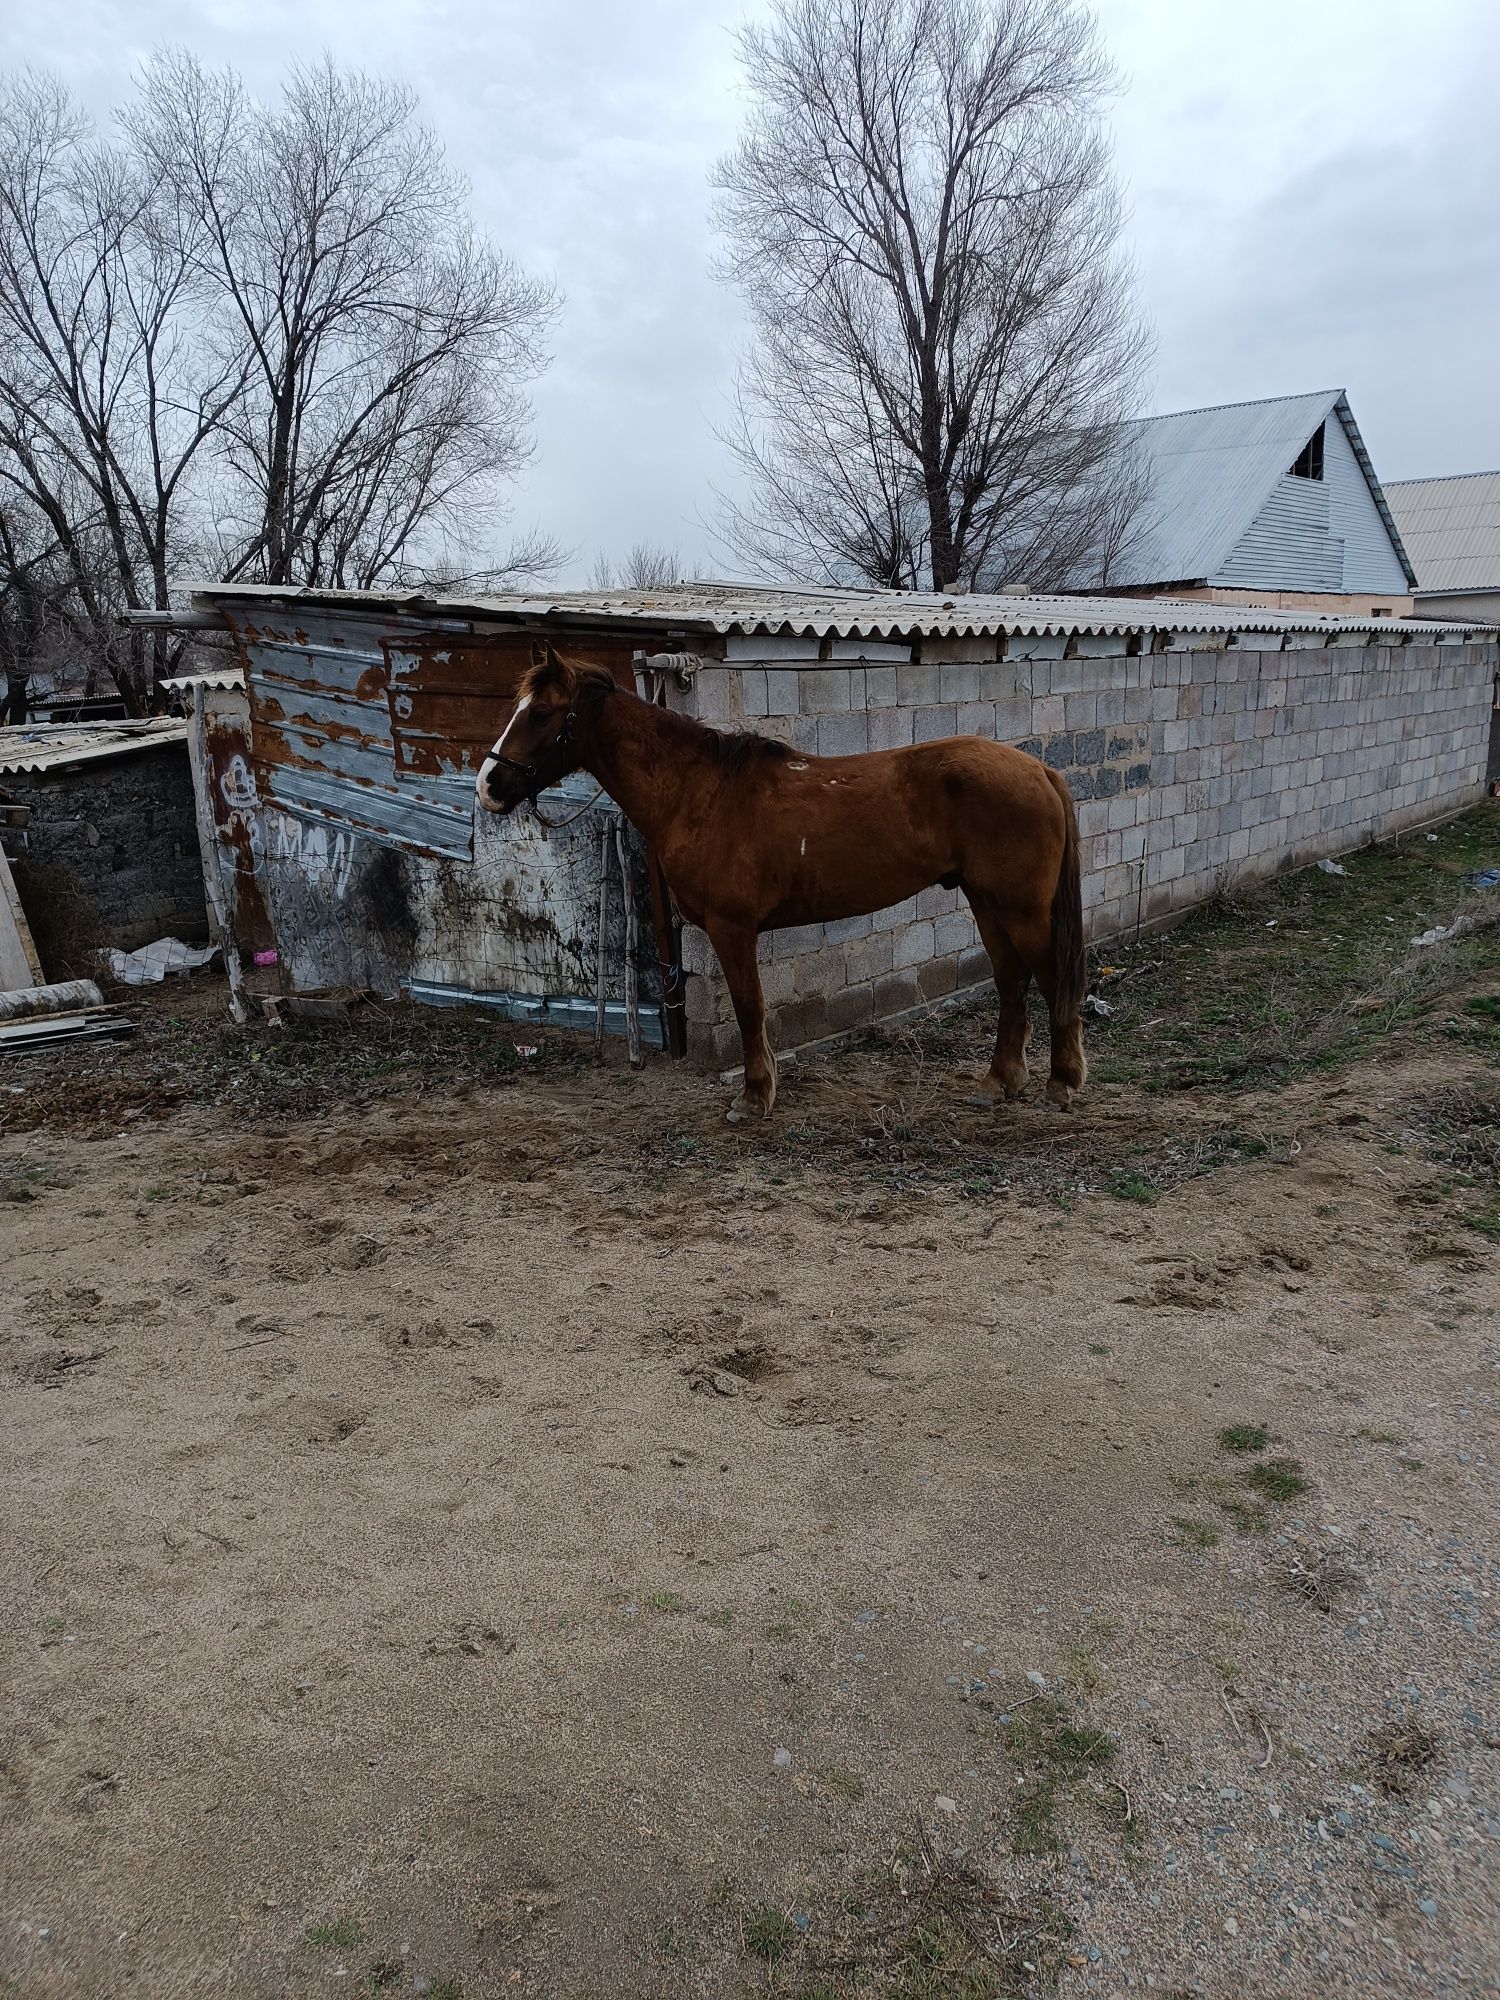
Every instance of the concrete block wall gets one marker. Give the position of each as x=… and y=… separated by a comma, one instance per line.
x=123, y=831
x=1195, y=765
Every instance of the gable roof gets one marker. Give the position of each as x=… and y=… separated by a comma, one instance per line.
x=1211, y=472
x=1451, y=528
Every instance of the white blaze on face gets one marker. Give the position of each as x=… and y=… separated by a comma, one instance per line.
x=481, y=783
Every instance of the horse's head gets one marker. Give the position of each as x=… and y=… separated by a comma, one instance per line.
x=538, y=745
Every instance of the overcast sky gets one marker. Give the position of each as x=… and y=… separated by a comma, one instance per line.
x=1314, y=190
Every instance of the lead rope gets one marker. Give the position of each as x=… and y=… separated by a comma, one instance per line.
x=554, y=824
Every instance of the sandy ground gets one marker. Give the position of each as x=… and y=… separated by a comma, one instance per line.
x=507, y=1542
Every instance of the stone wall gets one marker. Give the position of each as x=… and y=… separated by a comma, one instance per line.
x=1201, y=764
x=116, y=839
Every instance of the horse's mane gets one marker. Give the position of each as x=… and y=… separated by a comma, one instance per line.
x=732, y=749
x=735, y=748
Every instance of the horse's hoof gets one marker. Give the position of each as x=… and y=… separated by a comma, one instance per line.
x=1060, y=1093
x=745, y=1108
x=982, y=1100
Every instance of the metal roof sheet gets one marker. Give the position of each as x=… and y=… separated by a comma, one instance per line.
x=1211, y=471
x=750, y=609
x=220, y=677
x=49, y=746
x=1451, y=528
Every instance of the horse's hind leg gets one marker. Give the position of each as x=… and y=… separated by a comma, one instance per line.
x=1031, y=936
x=1007, y=1073
x=736, y=952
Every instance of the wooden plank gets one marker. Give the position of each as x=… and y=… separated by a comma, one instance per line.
x=19, y=964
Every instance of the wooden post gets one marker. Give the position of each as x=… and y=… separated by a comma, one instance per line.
x=632, y=993
x=604, y=845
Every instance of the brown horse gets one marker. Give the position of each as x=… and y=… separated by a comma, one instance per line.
x=753, y=836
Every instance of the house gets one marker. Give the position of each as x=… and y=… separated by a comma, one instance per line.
x=1273, y=503
x=1451, y=528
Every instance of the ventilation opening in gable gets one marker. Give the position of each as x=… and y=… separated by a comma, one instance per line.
x=1309, y=462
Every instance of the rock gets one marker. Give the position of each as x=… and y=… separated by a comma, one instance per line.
x=945, y=1805
x=781, y=1758
x=724, y=1384
x=1036, y=1679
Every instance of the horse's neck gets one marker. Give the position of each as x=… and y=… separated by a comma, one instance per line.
x=648, y=760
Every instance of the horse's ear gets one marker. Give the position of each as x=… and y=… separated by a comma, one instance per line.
x=555, y=671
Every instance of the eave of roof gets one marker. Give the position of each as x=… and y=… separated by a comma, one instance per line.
x=55, y=746
x=758, y=609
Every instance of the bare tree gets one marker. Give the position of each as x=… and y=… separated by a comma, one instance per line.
x=108, y=402
x=262, y=344
x=387, y=343
x=648, y=566
x=924, y=223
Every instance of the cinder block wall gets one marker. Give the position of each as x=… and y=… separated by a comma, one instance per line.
x=1194, y=766
x=123, y=830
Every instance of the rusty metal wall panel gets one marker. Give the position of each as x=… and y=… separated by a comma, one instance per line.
x=325, y=719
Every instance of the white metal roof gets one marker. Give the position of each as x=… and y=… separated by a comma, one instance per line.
x=725, y=608
x=218, y=677
x=1211, y=471
x=1451, y=528
x=49, y=746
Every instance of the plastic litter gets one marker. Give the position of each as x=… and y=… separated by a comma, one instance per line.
x=526, y=1050
x=1484, y=878
x=1441, y=933
x=1092, y=1004
x=1332, y=868
x=150, y=965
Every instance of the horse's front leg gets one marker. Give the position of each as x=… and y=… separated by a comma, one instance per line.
x=736, y=949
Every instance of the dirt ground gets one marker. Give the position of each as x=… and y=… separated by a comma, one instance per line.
x=477, y=1525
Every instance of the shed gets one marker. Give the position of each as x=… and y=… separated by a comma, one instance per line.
x=1451, y=528
x=1204, y=745
x=111, y=854
x=1273, y=503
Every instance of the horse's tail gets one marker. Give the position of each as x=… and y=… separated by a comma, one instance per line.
x=1068, y=966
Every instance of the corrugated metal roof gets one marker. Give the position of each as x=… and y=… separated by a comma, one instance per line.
x=1211, y=471
x=49, y=746
x=750, y=609
x=1451, y=528
x=225, y=678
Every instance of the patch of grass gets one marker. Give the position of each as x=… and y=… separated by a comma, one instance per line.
x=1195, y=1534
x=665, y=1600
x=1051, y=1753
x=1084, y=1670
x=848, y=1784
x=1244, y=1437
x=1374, y=1434
x=921, y=1927
x=1098, y=1347
x=1126, y=1185
x=721, y=1620
x=337, y=1936
x=769, y=1934
x=1248, y=1516
x=1303, y=972
x=446, y=1989
x=1279, y=1479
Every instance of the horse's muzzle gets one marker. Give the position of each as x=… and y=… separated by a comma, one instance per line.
x=498, y=790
